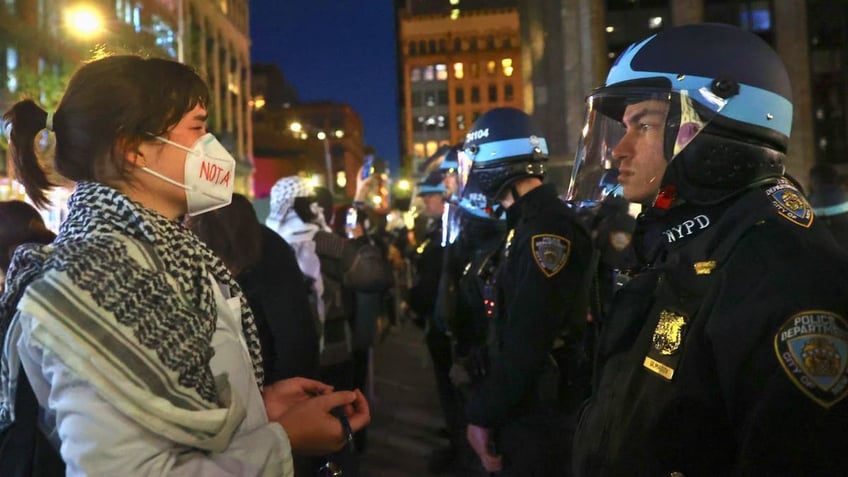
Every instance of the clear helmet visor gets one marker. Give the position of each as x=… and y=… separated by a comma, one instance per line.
x=463, y=170
x=630, y=136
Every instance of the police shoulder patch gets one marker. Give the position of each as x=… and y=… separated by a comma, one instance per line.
x=550, y=252
x=812, y=347
x=790, y=204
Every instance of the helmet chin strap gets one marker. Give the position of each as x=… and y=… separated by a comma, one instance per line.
x=514, y=191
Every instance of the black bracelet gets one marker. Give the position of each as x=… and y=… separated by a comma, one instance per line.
x=348, y=431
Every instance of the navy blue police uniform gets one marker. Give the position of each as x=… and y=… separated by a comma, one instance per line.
x=727, y=353
x=542, y=270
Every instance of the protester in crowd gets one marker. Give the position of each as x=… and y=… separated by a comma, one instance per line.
x=24, y=449
x=339, y=270
x=20, y=223
x=724, y=353
x=136, y=339
x=265, y=267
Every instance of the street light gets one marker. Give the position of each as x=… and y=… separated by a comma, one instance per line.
x=84, y=20
x=300, y=131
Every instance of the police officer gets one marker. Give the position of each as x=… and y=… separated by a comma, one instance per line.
x=727, y=354
x=513, y=424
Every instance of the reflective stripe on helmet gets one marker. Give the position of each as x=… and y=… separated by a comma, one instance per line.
x=497, y=150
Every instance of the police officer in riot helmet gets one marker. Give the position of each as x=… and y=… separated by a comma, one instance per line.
x=726, y=354
x=540, y=281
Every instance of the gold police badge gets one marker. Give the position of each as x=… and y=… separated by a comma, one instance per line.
x=669, y=332
x=550, y=252
x=812, y=348
x=663, y=356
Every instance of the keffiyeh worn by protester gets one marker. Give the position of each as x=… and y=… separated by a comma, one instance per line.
x=124, y=297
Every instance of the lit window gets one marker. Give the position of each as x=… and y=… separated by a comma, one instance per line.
x=223, y=4
x=429, y=73
x=458, y=72
x=164, y=36
x=454, y=14
x=431, y=148
x=441, y=72
x=755, y=19
x=506, y=65
x=460, y=122
x=610, y=29
x=454, y=2
x=655, y=22
x=136, y=18
x=418, y=149
x=11, y=69
x=415, y=74
x=491, y=66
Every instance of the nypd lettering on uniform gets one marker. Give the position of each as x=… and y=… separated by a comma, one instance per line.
x=477, y=134
x=812, y=348
x=687, y=228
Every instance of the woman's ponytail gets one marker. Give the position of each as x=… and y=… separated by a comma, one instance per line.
x=26, y=119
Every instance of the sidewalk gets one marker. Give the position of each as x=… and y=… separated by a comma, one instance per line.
x=405, y=413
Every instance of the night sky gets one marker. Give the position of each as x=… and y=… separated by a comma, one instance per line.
x=336, y=50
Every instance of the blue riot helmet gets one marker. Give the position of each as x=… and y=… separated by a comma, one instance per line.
x=431, y=184
x=502, y=146
x=450, y=161
x=448, y=168
x=721, y=97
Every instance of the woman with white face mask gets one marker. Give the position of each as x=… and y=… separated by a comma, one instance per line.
x=138, y=344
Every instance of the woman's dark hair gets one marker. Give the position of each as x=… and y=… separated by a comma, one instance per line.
x=303, y=208
x=232, y=232
x=111, y=106
x=20, y=223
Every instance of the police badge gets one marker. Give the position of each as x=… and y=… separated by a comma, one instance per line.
x=812, y=347
x=790, y=204
x=550, y=252
x=662, y=358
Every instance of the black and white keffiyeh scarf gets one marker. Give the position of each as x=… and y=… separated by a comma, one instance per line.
x=124, y=297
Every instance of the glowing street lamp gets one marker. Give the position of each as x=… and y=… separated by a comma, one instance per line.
x=84, y=20
x=300, y=131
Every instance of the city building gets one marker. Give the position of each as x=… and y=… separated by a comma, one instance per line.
x=456, y=63
x=43, y=42
x=320, y=140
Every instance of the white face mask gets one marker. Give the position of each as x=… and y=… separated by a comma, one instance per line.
x=209, y=174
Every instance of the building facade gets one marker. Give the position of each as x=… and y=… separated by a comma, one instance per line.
x=455, y=65
x=325, y=146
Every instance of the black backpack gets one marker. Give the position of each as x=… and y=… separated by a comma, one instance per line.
x=25, y=449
